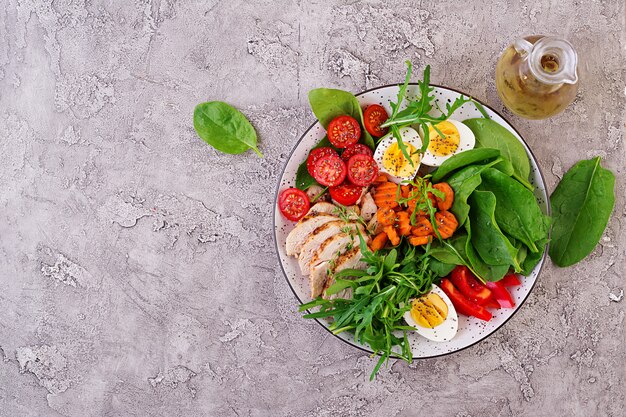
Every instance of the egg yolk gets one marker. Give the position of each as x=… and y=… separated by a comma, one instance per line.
x=396, y=164
x=447, y=145
x=429, y=311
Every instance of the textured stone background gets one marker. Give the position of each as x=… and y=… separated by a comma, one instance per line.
x=137, y=271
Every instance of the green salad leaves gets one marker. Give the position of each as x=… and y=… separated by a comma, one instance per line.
x=225, y=128
x=381, y=295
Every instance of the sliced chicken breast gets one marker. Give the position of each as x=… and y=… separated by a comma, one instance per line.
x=306, y=226
x=368, y=207
x=349, y=260
x=318, y=277
x=335, y=245
x=323, y=207
x=315, y=240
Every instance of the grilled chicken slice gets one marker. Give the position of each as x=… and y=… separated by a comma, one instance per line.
x=306, y=226
x=334, y=246
x=323, y=207
x=368, y=207
x=314, y=241
x=318, y=277
x=349, y=260
x=374, y=227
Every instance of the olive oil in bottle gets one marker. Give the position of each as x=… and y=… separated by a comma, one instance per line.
x=536, y=76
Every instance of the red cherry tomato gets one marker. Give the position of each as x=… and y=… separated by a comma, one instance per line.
x=316, y=155
x=346, y=194
x=470, y=287
x=343, y=131
x=362, y=170
x=356, y=149
x=373, y=117
x=462, y=304
x=293, y=203
x=329, y=171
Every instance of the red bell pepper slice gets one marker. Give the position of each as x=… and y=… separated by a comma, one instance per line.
x=470, y=287
x=462, y=304
x=510, y=280
x=500, y=293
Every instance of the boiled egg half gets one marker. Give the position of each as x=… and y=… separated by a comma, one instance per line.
x=392, y=161
x=433, y=316
x=456, y=138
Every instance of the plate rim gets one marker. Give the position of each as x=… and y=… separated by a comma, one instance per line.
x=361, y=347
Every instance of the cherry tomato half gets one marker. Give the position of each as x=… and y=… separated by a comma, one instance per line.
x=362, y=170
x=329, y=171
x=316, y=155
x=346, y=194
x=293, y=203
x=373, y=117
x=356, y=149
x=343, y=131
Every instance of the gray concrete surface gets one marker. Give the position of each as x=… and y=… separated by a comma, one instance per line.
x=137, y=270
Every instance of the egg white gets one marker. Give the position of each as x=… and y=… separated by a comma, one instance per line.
x=446, y=330
x=409, y=135
x=467, y=141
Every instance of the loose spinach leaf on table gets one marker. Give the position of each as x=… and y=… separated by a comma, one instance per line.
x=487, y=238
x=328, y=103
x=517, y=212
x=582, y=204
x=491, y=134
x=224, y=127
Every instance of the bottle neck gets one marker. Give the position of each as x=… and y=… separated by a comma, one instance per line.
x=553, y=61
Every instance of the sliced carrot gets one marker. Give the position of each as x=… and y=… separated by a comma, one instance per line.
x=386, y=216
x=446, y=224
x=446, y=202
x=381, y=178
x=393, y=235
x=404, y=191
x=420, y=240
x=379, y=242
x=422, y=227
x=385, y=195
x=404, y=223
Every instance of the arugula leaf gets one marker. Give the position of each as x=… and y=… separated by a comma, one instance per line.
x=374, y=312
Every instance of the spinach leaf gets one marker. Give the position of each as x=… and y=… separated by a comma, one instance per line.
x=452, y=251
x=462, y=191
x=487, y=238
x=517, y=212
x=483, y=270
x=491, y=134
x=582, y=204
x=440, y=268
x=464, y=182
x=463, y=159
x=224, y=127
x=532, y=259
x=328, y=103
x=304, y=180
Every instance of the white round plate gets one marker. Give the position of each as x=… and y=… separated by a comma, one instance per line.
x=471, y=330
